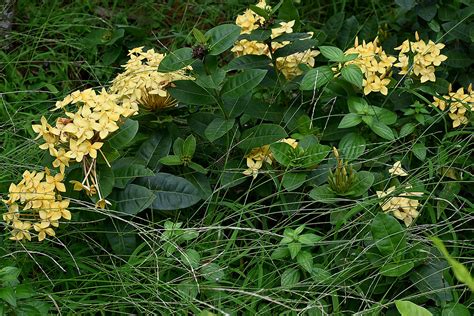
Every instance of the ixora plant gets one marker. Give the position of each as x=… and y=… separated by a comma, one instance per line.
x=269, y=111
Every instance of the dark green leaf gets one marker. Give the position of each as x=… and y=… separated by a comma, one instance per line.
x=455, y=309
x=382, y=130
x=406, y=4
x=305, y=260
x=352, y=74
x=288, y=12
x=188, y=92
x=350, y=120
x=124, y=134
x=295, y=47
x=189, y=146
x=176, y=60
x=233, y=107
x=419, y=150
x=282, y=152
x=362, y=184
x=316, y=78
x=249, y=62
x=352, y=146
x=133, y=199
x=243, y=83
x=123, y=238
x=294, y=249
x=260, y=135
x=127, y=169
x=155, y=148
x=191, y=258
x=313, y=155
x=280, y=253
x=407, y=129
x=212, y=272
x=290, y=277
x=218, y=128
x=8, y=295
x=292, y=181
x=388, y=234
x=171, y=192
x=323, y=194
x=222, y=37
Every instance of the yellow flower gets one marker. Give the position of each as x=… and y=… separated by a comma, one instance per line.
x=397, y=170
x=56, y=180
x=285, y=27
x=21, y=230
x=253, y=167
x=403, y=206
x=43, y=229
x=61, y=161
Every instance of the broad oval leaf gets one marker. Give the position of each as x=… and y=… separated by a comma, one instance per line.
x=260, y=135
x=171, y=192
x=382, y=130
x=332, y=53
x=364, y=181
x=248, y=62
x=133, y=199
x=316, y=78
x=127, y=169
x=352, y=146
x=222, y=37
x=295, y=47
x=188, y=92
x=124, y=135
x=407, y=308
x=290, y=277
x=350, y=120
x=155, y=148
x=352, y=74
x=176, y=60
x=282, y=152
x=243, y=82
x=388, y=234
x=218, y=128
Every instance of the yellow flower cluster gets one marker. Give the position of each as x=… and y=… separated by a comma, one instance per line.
x=79, y=134
x=374, y=63
x=404, y=206
x=288, y=65
x=259, y=155
x=425, y=57
x=35, y=204
x=458, y=103
x=142, y=84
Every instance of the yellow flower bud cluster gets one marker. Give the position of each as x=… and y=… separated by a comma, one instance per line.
x=35, y=204
x=141, y=83
x=404, y=206
x=259, y=155
x=288, y=65
x=458, y=104
x=375, y=64
x=425, y=57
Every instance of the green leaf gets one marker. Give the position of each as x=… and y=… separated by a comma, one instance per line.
x=352, y=73
x=106, y=179
x=124, y=134
x=9, y=274
x=407, y=129
x=188, y=92
x=248, y=62
x=352, y=146
x=382, y=130
x=8, y=295
x=176, y=60
x=407, y=308
x=460, y=271
x=222, y=37
x=396, y=269
x=218, y=128
x=233, y=107
x=313, y=155
x=316, y=78
x=383, y=115
x=295, y=47
x=171, y=192
x=455, y=309
x=406, y=4
x=280, y=253
x=189, y=146
x=259, y=11
x=191, y=258
x=419, y=150
x=458, y=58
x=199, y=36
x=213, y=272
x=429, y=279
x=294, y=249
x=364, y=181
x=388, y=234
x=350, y=120
x=197, y=167
x=127, y=169
x=133, y=199
x=122, y=238
x=155, y=148
x=282, y=152
x=260, y=135
x=309, y=239
x=288, y=12
x=332, y=53
x=290, y=277
x=323, y=194
x=212, y=81
x=23, y=291
x=201, y=182
x=305, y=260
x=171, y=160
x=243, y=83
x=357, y=105
x=292, y=181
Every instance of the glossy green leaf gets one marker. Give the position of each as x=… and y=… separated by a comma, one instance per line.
x=124, y=135
x=133, y=199
x=218, y=128
x=292, y=181
x=222, y=37
x=260, y=135
x=352, y=73
x=382, y=130
x=127, y=169
x=176, y=60
x=155, y=148
x=189, y=92
x=362, y=184
x=171, y=192
x=316, y=78
x=249, y=62
x=388, y=234
x=332, y=53
x=350, y=120
x=243, y=82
